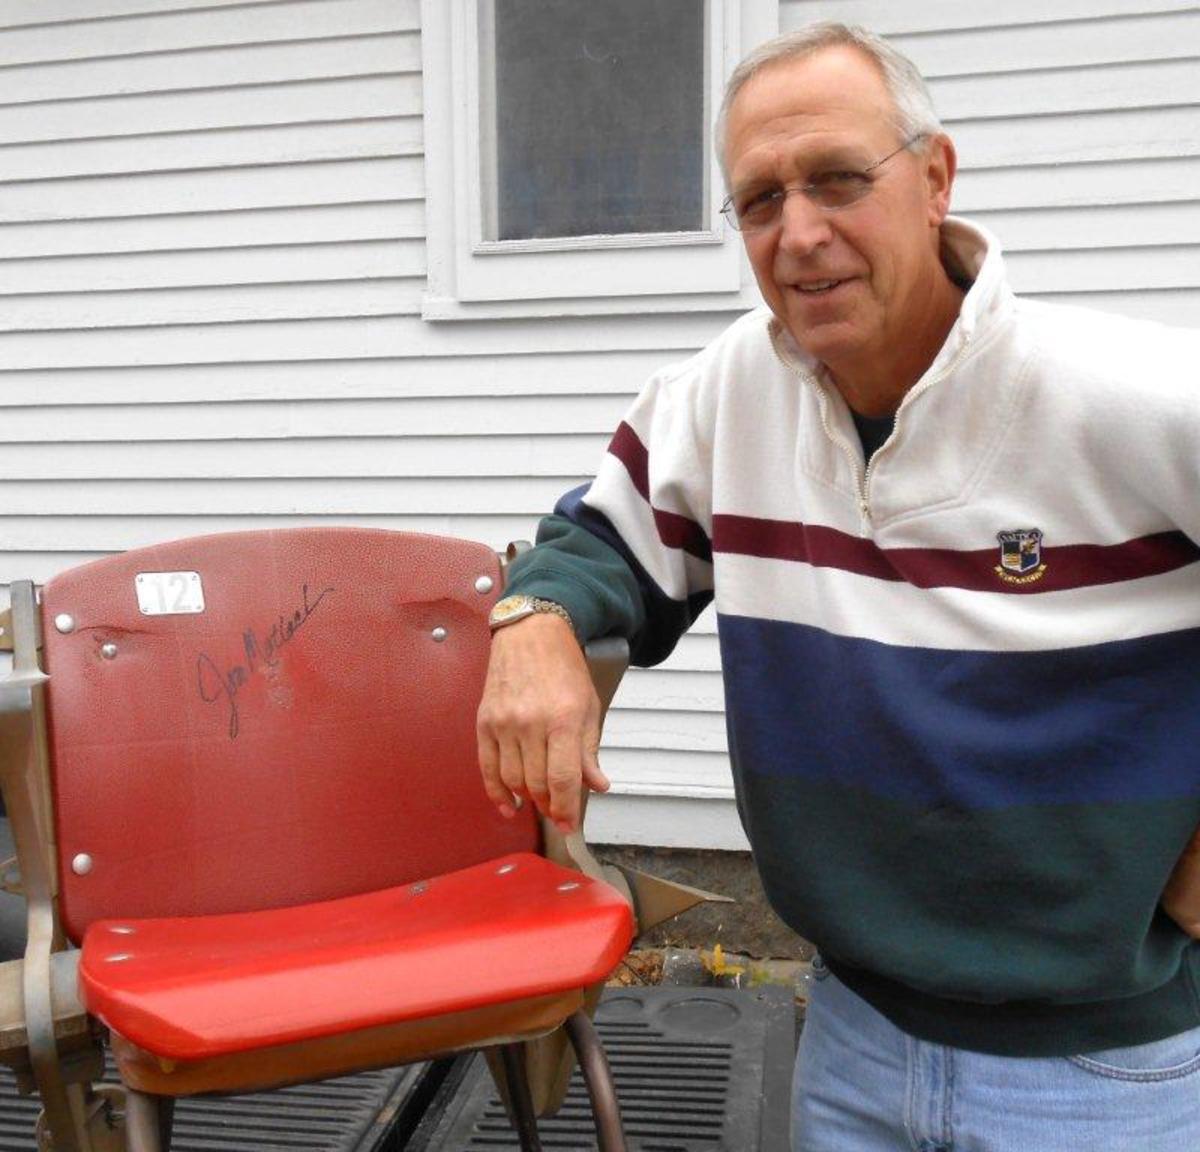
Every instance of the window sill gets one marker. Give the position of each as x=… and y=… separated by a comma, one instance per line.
x=448, y=308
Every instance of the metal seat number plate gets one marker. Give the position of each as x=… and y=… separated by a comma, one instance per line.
x=169, y=593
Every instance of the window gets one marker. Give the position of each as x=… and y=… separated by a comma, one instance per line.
x=593, y=120
x=569, y=158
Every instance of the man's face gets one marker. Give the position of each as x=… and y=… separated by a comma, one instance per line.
x=796, y=120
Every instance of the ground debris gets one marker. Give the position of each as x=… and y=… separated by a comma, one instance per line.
x=641, y=966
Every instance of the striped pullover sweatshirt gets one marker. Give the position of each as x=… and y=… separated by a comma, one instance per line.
x=963, y=683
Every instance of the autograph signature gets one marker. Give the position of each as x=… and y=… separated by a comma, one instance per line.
x=260, y=655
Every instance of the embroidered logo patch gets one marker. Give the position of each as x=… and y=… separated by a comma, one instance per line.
x=1020, y=556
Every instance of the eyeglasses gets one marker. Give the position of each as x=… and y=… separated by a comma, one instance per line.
x=830, y=191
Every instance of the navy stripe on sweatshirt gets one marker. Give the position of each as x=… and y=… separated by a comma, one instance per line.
x=1107, y=722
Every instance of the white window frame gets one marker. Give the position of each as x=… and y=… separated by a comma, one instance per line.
x=470, y=277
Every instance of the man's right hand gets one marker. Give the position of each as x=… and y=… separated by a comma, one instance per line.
x=539, y=721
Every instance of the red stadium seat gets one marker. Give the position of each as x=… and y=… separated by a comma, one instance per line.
x=270, y=838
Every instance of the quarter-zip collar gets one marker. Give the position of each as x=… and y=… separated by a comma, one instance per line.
x=969, y=253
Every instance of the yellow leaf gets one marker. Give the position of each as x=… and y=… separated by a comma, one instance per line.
x=716, y=964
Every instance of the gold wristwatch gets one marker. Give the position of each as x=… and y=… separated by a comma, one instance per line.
x=513, y=608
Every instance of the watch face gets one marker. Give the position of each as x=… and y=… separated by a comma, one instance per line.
x=510, y=608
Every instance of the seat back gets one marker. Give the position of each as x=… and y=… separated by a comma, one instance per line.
x=308, y=733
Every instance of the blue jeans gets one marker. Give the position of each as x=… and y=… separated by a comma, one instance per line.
x=862, y=1085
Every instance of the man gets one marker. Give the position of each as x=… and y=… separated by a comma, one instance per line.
x=951, y=537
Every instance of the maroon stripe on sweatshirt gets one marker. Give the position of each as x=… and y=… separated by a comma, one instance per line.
x=1066, y=566
x=674, y=530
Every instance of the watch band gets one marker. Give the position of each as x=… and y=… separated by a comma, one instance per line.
x=510, y=609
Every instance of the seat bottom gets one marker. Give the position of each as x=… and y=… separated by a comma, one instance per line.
x=322, y=1058
x=511, y=930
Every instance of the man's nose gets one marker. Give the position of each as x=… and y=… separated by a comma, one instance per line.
x=803, y=227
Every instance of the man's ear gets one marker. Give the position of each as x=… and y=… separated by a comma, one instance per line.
x=940, y=167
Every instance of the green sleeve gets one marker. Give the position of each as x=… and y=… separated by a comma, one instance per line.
x=591, y=580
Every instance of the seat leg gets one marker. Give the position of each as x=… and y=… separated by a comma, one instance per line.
x=147, y=1122
x=166, y=1121
x=521, y=1102
x=597, y=1075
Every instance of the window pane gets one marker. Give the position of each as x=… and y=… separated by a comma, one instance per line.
x=599, y=117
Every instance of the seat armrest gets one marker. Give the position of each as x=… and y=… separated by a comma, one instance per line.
x=24, y=778
x=24, y=755
x=607, y=661
x=70, y=1019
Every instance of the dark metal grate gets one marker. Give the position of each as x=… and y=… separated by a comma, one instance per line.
x=696, y=1070
x=334, y=1114
x=350, y=1114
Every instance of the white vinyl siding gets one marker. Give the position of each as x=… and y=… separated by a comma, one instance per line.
x=212, y=260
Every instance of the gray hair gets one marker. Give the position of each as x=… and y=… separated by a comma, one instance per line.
x=913, y=108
